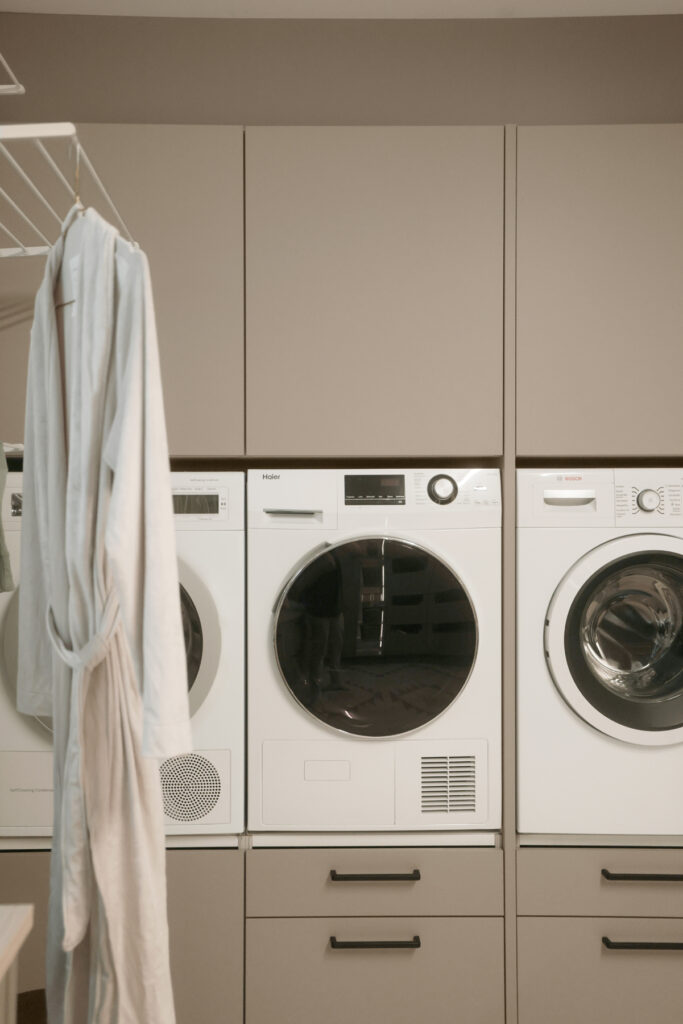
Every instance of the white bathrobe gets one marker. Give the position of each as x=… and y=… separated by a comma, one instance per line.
x=100, y=636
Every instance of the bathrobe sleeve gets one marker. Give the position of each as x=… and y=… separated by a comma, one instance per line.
x=140, y=533
x=35, y=662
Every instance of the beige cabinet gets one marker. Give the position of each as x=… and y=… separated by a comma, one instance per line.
x=206, y=927
x=374, y=262
x=179, y=188
x=600, y=936
x=352, y=934
x=595, y=970
x=599, y=297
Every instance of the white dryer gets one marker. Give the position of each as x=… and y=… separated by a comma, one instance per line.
x=600, y=651
x=26, y=786
x=203, y=791
x=374, y=693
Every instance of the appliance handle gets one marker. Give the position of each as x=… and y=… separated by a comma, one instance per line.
x=613, y=876
x=413, y=943
x=409, y=876
x=610, y=944
x=293, y=511
x=568, y=498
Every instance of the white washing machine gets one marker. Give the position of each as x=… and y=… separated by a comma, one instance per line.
x=374, y=621
x=204, y=790
x=600, y=651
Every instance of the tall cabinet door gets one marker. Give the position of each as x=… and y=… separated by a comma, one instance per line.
x=374, y=264
x=179, y=189
x=599, y=295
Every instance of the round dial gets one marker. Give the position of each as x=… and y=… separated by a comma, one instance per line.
x=442, y=489
x=648, y=500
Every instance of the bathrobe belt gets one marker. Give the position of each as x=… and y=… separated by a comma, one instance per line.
x=75, y=857
x=95, y=650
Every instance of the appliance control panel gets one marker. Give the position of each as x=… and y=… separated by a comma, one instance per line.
x=12, y=502
x=371, y=498
x=652, y=497
x=208, y=500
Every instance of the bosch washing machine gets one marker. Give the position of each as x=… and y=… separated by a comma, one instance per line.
x=203, y=791
x=600, y=651
x=374, y=697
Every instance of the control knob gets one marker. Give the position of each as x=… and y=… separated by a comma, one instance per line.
x=648, y=500
x=442, y=489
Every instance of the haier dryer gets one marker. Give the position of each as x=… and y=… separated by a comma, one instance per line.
x=600, y=651
x=203, y=791
x=26, y=786
x=374, y=650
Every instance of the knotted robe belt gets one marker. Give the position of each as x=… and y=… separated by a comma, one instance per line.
x=73, y=821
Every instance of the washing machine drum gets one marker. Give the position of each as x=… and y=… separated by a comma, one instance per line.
x=375, y=636
x=614, y=639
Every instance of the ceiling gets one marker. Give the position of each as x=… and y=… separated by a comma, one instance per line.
x=347, y=8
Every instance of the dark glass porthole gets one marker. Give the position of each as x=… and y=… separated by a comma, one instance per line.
x=624, y=641
x=375, y=637
x=192, y=634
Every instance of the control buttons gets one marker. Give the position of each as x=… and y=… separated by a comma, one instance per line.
x=648, y=500
x=442, y=489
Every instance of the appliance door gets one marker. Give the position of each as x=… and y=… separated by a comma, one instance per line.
x=202, y=633
x=614, y=638
x=201, y=630
x=375, y=636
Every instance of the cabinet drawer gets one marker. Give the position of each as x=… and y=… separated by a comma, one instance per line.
x=566, y=973
x=294, y=974
x=572, y=882
x=301, y=883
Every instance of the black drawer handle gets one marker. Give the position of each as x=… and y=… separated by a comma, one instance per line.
x=640, y=945
x=612, y=876
x=413, y=943
x=409, y=876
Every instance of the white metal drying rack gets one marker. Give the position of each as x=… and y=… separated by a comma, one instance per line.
x=38, y=133
x=14, y=86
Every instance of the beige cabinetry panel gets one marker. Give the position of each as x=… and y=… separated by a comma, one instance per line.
x=179, y=189
x=295, y=975
x=206, y=926
x=599, y=297
x=594, y=882
x=567, y=974
x=443, y=907
x=374, y=261
x=384, y=882
x=206, y=922
x=569, y=901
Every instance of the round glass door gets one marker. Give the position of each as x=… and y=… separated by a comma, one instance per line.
x=614, y=639
x=201, y=632
x=624, y=641
x=375, y=636
x=192, y=635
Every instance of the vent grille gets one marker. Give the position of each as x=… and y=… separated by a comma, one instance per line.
x=449, y=784
x=191, y=787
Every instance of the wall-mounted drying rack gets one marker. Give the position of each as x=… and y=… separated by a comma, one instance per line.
x=36, y=176
x=14, y=86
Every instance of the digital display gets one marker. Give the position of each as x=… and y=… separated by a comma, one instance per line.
x=369, y=489
x=195, y=504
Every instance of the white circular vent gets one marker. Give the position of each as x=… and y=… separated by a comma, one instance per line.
x=191, y=787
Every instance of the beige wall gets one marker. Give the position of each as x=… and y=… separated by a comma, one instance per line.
x=345, y=72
